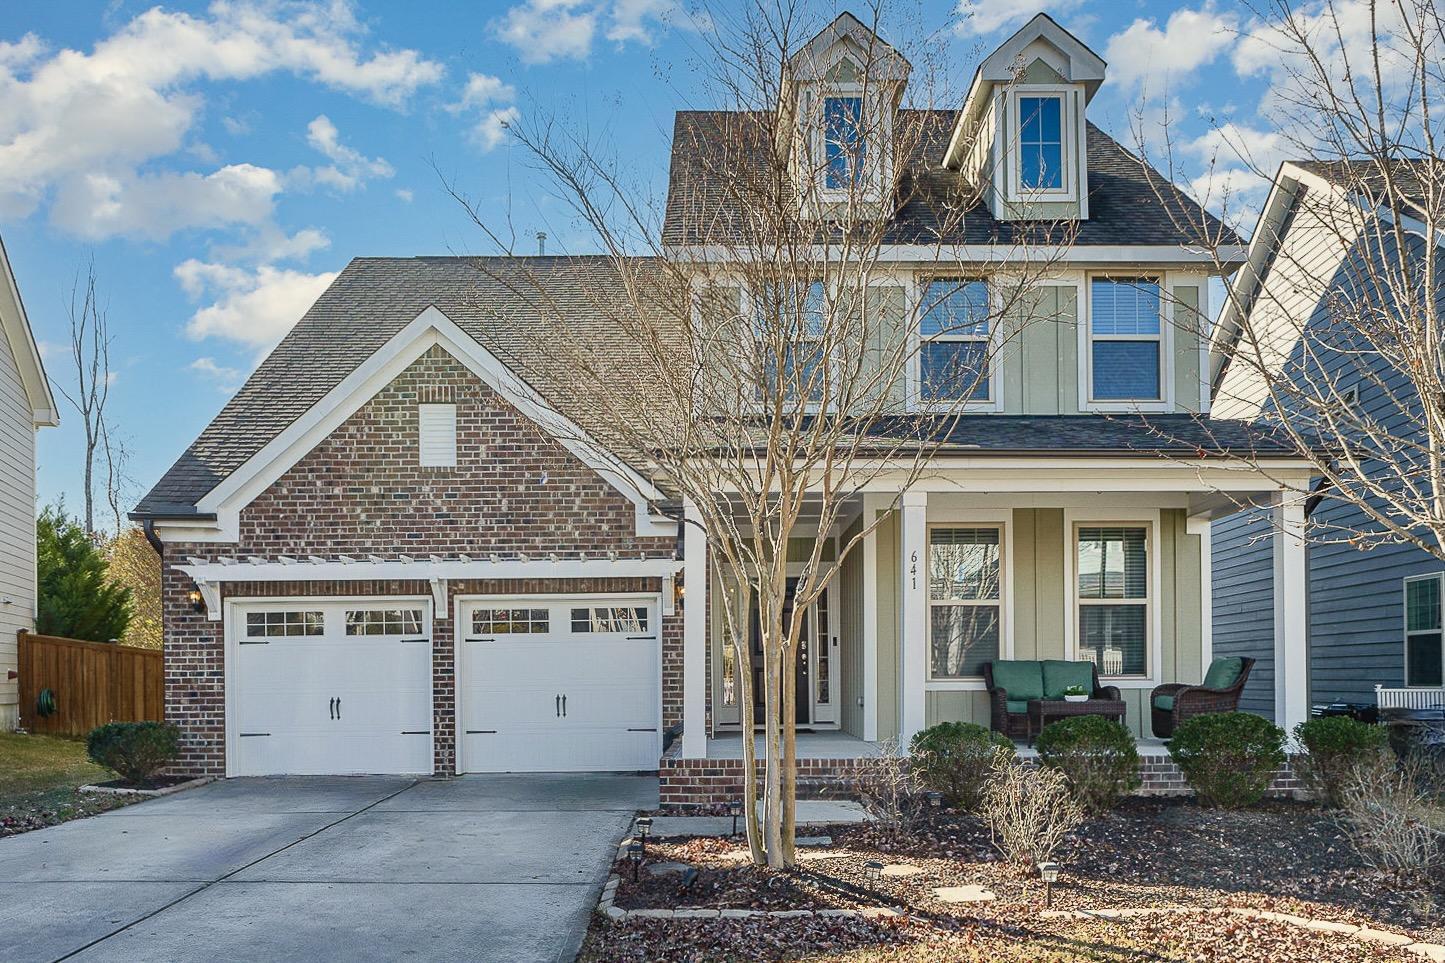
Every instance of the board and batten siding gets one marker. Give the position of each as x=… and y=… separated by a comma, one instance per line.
x=1040, y=598
x=17, y=525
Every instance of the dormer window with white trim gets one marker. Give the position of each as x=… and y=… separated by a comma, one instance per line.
x=844, y=144
x=1041, y=142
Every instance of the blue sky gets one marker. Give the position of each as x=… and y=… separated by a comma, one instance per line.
x=220, y=162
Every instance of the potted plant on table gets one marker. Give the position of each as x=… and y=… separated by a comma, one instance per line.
x=1075, y=693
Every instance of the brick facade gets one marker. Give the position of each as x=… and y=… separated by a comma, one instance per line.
x=360, y=491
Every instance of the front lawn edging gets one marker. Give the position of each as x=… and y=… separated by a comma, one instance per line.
x=148, y=793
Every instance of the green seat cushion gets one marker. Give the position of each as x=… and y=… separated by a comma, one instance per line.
x=1164, y=702
x=1223, y=673
x=1059, y=675
x=1022, y=680
x=1018, y=705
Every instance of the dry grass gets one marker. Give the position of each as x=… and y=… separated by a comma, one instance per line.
x=38, y=779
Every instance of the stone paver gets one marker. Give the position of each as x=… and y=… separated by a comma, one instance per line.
x=900, y=869
x=963, y=894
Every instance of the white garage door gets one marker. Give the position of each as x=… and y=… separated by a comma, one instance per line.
x=552, y=684
x=322, y=687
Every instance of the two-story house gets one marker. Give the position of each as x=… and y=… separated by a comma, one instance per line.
x=26, y=405
x=390, y=553
x=1323, y=258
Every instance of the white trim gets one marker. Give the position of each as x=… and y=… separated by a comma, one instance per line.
x=653, y=599
x=1002, y=519
x=913, y=614
x=694, y=637
x=1149, y=517
x=15, y=327
x=429, y=328
x=230, y=637
x=1151, y=257
x=1165, y=340
x=869, y=628
x=1405, y=632
x=1068, y=147
x=1206, y=593
x=1291, y=637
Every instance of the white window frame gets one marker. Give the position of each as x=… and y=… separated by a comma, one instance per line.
x=1068, y=130
x=1165, y=340
x=747, y=313
x=1074, y=519
x=916, y=293
x=862, y=178
x=1002, y=519
x=1438, y=577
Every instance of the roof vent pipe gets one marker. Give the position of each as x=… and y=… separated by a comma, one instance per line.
x=541, y=243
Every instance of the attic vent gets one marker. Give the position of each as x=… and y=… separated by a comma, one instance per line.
x=437, y=435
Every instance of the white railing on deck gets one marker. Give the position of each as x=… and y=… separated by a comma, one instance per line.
x=1411, y=697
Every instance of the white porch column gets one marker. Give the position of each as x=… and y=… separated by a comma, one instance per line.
x=694, y=636
x=1291, y=648
x=870, y=619
x=913, y=607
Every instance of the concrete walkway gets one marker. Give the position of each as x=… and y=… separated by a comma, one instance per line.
x=505, y=867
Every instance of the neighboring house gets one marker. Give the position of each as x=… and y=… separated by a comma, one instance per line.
x=26, y=405
x=1305, y=259
x=389, y=553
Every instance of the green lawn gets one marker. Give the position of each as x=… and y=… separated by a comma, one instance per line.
x=38, y=778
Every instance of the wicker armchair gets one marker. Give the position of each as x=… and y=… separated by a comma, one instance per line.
x=1182, y=702
x=1015, y=725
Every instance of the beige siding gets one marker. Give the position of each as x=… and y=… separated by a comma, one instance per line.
x=17, y=524
x=1039, y=358
x=1188, y=326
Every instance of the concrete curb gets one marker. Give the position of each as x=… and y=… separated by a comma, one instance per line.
x=148, y=793
x=1429, y=951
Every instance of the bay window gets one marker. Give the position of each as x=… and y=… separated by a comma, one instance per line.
x=1112, y=594
x=953, y=359
x=1423, y=631
x=1125, y=339
x=965, y=600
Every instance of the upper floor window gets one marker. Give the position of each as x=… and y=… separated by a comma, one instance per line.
x=953, y=360
x=1041, y=143
x=1125, y=339
x=843, y=142
x=791, y=321
x=1423, y=664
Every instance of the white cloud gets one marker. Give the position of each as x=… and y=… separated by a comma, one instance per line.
x=253, y=308
x=153, y=206
x=547, y=30
x=1151, y=58
x=349, y=168
x=226, y=379
x=68, y=116
x=636, y=20
x=491, y=97
x=980, y=18
x=269, y=244
x=405, y=194
x=1238, y=163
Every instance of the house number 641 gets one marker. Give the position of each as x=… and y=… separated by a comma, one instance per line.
x=913, y=568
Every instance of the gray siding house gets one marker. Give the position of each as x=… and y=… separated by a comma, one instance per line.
x=1301, y=262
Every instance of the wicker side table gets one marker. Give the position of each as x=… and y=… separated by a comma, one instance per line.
x=1044, y=711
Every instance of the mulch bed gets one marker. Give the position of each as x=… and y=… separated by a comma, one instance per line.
x=1280, y=856
x=52, y=807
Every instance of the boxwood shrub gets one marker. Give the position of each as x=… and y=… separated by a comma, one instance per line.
x=1336, y=747
x=1229, y=758
x=134, y=751
x=1098, y=757
x=957, y=759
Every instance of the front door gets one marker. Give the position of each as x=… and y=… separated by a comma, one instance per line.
x=815, y=653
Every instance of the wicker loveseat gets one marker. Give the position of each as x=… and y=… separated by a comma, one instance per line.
x=1171, y=704
x=1012, y=683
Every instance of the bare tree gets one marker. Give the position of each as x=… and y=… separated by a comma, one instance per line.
x=1336, y=342
x=90, y=342
x=764, y=356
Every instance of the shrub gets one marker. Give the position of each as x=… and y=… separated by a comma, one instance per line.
x=1393, y=822
x=957, y=759
x=1229, y=758
x=134, y=751
x=1096, y=755
x=886, y=786
x=1029, y=810
x=1335, y=746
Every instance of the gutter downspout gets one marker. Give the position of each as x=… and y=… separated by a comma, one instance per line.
x=148, y=526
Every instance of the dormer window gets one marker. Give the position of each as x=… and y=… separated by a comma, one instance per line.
x=843, y=142
x=1041, y=143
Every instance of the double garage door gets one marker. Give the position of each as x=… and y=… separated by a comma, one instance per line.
x=544, y=684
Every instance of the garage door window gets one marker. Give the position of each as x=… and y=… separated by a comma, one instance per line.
x=272, y=625
x=511, y=621
x=610, y=619
x=383, y=622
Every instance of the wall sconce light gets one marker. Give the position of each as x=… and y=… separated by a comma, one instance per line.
x=679, y=590
x=198, y=604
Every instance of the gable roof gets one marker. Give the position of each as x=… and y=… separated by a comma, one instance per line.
x=15, y=326
x=497, y=302
x=1124, y=202
x=810, y=61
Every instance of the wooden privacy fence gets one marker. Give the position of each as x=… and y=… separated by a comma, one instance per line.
x=90, y=683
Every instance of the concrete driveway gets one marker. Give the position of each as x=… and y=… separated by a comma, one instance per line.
x=504, y=867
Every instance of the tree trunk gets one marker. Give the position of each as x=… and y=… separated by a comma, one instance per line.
x=743, y=666
x=790, y=751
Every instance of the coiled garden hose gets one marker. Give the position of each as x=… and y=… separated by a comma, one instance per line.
x=45, y=703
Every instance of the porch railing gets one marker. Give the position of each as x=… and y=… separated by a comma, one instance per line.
x=1409, y=697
